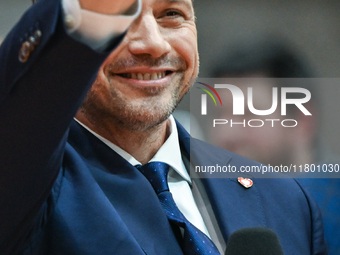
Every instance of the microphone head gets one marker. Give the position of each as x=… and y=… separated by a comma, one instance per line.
x=254, y=241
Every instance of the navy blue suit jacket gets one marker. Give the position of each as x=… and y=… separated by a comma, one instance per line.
x=62, y=191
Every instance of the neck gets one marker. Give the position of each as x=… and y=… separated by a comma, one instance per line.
x=142, y=145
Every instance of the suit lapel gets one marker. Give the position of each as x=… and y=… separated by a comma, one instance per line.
x=234, y=206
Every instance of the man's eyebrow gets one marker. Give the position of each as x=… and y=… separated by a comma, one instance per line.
x=187, y=3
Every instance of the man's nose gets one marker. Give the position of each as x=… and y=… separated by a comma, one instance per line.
x=146, y=38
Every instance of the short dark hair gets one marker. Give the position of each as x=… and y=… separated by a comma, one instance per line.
x=271, y=56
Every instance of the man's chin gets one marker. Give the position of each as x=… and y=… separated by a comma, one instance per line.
x=145, y=115
x=144, y=122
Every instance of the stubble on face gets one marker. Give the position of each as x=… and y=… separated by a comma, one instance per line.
x=142, y=108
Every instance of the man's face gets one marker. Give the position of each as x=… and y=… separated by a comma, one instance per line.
x=142, y=81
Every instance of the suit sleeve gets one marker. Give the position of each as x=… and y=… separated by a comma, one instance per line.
x=38, y=99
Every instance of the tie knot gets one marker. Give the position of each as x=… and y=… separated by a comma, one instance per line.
x=157, y=175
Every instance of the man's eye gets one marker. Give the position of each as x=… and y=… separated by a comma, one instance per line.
x=172, y=17
x=173, y=13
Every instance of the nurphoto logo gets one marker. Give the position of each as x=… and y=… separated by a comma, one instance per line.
x=242, y=103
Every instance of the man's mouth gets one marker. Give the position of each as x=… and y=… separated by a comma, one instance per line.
x=145, y=76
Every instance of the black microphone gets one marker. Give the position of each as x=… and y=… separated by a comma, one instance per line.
x=254, y=241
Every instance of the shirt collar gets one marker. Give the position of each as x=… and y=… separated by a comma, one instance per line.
x=169, y=152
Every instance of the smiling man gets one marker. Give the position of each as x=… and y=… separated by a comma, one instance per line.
x=142, y=81
x=114, y=179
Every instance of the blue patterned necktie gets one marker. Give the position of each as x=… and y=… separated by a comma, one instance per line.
x=194, y=241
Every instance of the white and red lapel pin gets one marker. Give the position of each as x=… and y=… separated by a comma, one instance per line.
x=245, y=182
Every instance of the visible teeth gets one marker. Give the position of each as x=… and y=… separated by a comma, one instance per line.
x=140, y=76
x=154, y=76
x=145, y=76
